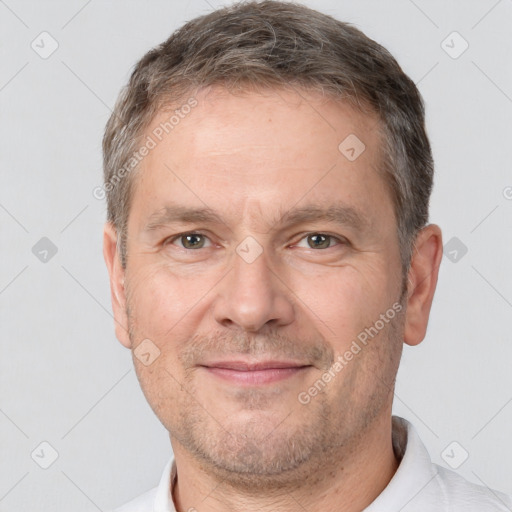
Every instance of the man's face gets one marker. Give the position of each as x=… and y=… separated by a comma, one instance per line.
x=257, y=252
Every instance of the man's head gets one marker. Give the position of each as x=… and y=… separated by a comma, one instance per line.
x=261, y=245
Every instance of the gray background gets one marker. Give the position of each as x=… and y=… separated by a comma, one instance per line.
x=64, y=377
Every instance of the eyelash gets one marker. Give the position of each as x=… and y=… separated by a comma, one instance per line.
x=171, y=240
x=340, y=240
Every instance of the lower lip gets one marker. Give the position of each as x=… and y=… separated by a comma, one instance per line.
x=256, y=377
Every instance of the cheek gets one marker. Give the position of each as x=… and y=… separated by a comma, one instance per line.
x=162, y=303
x=351, y=299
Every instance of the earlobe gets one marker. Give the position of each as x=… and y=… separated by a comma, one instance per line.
x=422, y=281
x=117, y=289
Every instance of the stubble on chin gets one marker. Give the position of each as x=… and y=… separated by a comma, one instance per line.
x=265, y=450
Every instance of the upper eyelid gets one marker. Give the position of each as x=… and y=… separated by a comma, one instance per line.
x=173, y=238
x=325, y=233
x=339, y=238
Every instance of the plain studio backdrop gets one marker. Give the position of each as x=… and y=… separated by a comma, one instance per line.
x=77, y=433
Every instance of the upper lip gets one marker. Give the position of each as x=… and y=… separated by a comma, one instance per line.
x=247, y=366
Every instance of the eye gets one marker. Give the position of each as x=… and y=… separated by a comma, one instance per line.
x=318, y=241
x=189, y=241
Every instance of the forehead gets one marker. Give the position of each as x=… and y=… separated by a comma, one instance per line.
x=260, y=148
x=223, y=122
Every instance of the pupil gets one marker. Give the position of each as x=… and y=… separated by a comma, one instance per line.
x=192, y=240
x=319, y=240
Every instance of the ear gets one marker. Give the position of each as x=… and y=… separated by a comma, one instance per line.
x=423, y=273
x=117, y=291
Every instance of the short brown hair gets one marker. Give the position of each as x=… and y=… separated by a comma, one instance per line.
x=272, y=44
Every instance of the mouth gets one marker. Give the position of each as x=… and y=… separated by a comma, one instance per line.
x=254, y=373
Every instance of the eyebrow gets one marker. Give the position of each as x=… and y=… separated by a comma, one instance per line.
x=171, y=213
x=339, y=214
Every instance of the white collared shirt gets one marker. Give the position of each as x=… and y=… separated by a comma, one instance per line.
x=417, y=486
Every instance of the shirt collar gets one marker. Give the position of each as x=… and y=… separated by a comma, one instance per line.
x=163, y=498
x=414, y=473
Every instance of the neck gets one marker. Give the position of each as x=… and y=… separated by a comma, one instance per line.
x=348, y=480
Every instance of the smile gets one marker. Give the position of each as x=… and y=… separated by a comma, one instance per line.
x=253, y=374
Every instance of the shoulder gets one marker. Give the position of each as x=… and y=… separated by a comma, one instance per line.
x=460, y=494
x=142, y=503
x=421, y=486
x=157, y=499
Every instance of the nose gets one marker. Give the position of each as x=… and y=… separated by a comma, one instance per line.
x=252, y=297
